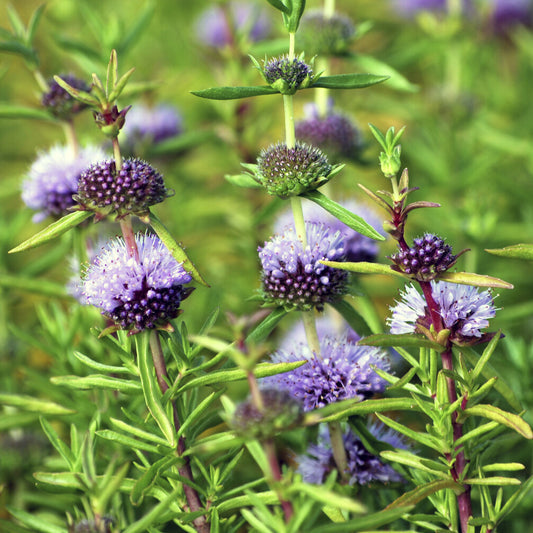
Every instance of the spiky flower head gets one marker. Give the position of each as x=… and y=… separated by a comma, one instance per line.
x=341, y=371
x=464, y=310
x=53, y=179
x=136, y=295
x=151, y=124
x=333, y=133
x=221, y=26
x=427, y=258
x=363, y=466
x=286, y=172
x=279, y=412
x=294, y=277
x=132, y=189
x=287, y=75
x=59, y=102
x=319, y=34
x=508, y=14
x=357, y=247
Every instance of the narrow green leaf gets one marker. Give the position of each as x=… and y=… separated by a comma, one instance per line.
x=510, y=420
x=348, y=81
x=117, y=91
x=423, y=491
x=53, y=230
x=16, y=22
x=476, y=432
x=243, y=180
x=341, y=410
x=34, y=405
x=152, y=393
x=379, y=137
x=199, y=410
x=131, y=36
x=268, y=497
x=404, y=380
x=234, y=93
x=279, y=5
x=110, y=486
x=78, y=94
x=422, y=438
x=33, y=23
x=175, y=249
x=297, y=9
x=34, y=286
x=141, y=525
x=439, y=470
x=74, y=45
x=15, y=47
x=499, y=481
x=20, y=111
x=111, y=369
x=515, y=251
x=128, y=442
x=150, y=477
x=138, y=432
x=503, y=467
x=266, y=326
x=36, y=523
x=489, y=372
x=478, y=280
x=352, y=220
x=485, y=357
x=220, y=377
x=16, y=420
x=96, y=381
x=406, y=340
x=515, y=499
x=363, y=267
x=57, y=443
x=321, y=494
x=364, y=523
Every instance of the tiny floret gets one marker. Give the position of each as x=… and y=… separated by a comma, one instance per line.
x=53, y=179
x=136, y=295
x=363, y=466
x=426, y=259
x=286, y=172
x=287, y=75
x=342, y=370
x=59, y=102
x=464, y=310
x=132, y=189
x=293, y=277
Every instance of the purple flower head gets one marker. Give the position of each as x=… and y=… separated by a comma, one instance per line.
x=428, y=257
x=342, y=371
x=133, y=189
x=287, y=75
x=357, y=247
x=59, y=102
x=334, y=133
x=507, y=14
x=319, y=34
x=53, y=179
x=137, y=295
x=151, y=124
x=463, y=308
x=363, y=466
x=285, y=171
x=294, y=277
x=219, y=26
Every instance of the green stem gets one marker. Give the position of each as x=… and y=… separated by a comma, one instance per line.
x=39, y=78
x=292, y=45
x=311, y=334
x=288, y=107
x=338, y=448
x=71, y=137
x=117, y=155
x=299, y=222
x=329, y=8
x=321, y=93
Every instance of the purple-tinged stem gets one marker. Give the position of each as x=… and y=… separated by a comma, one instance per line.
x=129, y=237
x=185, y=471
